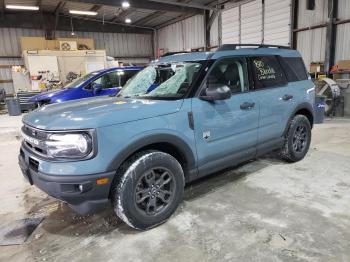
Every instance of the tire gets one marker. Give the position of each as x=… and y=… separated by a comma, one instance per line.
x=297, y=139
x=134, y=199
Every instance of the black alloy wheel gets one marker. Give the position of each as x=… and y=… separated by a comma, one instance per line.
x=154, y=191
x=297, y=139
x=148, y=190
x=300, y=138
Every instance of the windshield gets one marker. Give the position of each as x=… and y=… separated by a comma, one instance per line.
x=162, y=81
x=77, y=82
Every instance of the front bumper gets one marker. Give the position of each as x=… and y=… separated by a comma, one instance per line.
x=80, y=192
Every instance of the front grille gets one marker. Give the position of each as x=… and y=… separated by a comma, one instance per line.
x=34, y=140
x=35, y=133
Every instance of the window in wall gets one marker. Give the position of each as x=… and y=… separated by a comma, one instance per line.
x=267, y=72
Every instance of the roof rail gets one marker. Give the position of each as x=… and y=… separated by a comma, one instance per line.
x=174, y=53
x=234, y=46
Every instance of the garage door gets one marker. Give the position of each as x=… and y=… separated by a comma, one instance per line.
x=244, y=23
x=230, y=26
x=277, y=22
x=251, y=22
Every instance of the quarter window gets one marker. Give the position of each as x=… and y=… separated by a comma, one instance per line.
x=267, y=72
x=294, y=68
x=231, y=72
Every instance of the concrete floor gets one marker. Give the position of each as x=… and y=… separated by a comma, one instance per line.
x=265, y=210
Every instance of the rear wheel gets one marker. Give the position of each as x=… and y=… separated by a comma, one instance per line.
x=150, y=188
x=297, y=140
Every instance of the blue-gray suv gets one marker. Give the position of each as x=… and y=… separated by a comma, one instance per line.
x=137, y=150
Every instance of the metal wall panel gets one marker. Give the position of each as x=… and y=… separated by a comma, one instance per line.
x=5, y=73
x=118, y=44
x=343, y=9
x=251, y=22
x=277, y=20
x=214, y=33
x=244, y=23
x=10, y=39
x=312, y=17
x=342, y=48
x=230, y=26
x=311, y=44
x=183, y=35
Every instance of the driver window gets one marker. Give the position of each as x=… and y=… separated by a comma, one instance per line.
x=109, y=80
x=231, y=72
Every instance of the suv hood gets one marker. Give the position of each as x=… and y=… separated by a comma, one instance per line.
x=51, y=95
x=98, y=111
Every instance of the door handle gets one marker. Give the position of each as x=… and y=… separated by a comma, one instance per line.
x=287, y=97
x=247, y=106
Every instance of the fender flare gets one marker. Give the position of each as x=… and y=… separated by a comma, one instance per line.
x=302, y=106
x=148, y=140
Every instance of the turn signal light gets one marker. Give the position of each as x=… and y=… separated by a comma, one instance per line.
x=102, y=181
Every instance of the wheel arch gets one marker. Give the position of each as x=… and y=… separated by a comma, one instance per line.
x=303, y=109
x=167, y=143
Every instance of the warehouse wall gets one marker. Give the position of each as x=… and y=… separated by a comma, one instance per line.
x=311, y=43
x=214, y=32
x=182, y=36
x=253, y=22
x=134, y=48
x=342, y=50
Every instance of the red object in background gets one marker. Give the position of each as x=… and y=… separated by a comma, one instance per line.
x=36, y=77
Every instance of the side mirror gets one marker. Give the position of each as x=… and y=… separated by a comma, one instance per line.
x=96, y=88
x=216, y=92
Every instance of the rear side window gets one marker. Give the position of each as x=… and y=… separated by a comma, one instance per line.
x=294, y=68
x=267, y=72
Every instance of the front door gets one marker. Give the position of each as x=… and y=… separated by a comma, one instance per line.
x=226, y=131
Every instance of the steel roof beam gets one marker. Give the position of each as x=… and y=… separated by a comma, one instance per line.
x=121, y=17
x=150, y=5
x=27, y=20
x=186, y=5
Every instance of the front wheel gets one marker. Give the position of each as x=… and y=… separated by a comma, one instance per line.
x=149, y=188
x=297, y=140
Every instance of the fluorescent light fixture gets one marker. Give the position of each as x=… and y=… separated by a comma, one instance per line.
x=22, y=7
x=125, y=4
x=128, y=20
x=78, y=12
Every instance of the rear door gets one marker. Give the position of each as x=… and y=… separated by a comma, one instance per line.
x=276, y=99
x=226, y=131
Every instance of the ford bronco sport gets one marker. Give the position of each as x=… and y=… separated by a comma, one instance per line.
x=135, y=151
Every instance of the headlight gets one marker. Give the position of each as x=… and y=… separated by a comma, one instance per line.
x=77, y=145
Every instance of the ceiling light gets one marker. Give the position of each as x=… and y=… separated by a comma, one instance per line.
x=128, y=20
x=23, y=7
x=77, y=12
x=125, y=4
